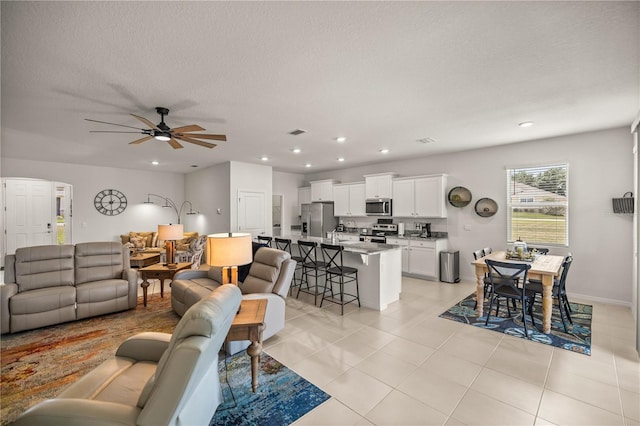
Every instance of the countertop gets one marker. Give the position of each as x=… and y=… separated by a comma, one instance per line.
x=350, y=246
x=403, y=237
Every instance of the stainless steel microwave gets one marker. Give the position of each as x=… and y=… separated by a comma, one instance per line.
x=378, y=207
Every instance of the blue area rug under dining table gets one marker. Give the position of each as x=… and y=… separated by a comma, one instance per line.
x=282, y=396
x=576, y=339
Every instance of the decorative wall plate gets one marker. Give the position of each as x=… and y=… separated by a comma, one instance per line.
x=486, y=207
x=459, y=196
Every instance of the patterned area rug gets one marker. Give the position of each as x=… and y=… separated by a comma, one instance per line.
x=577, y=339
x=282, y=396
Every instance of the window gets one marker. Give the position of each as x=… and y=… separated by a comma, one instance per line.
x=538, y=205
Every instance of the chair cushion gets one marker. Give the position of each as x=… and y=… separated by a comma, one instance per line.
x=264, y=271
x=42, y=300
x=98, y=261
x=44, y=266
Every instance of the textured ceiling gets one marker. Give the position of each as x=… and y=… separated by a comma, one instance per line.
x=382, y=74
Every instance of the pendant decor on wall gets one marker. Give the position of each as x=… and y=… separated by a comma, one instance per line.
x=486, y=207
x=459, y=196
x=110, y=202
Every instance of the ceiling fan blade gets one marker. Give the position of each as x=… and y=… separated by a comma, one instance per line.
x=147, y=122
x=114, y=131
x=174, y=143
x=113, y=124
x=146, y=138
x=189, y=128
x=205, y=136
x=195, y=141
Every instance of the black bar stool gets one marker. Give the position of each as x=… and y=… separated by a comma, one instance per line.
x=311, y=266
x=339, y=274
x=263, y=239
x=284, y=244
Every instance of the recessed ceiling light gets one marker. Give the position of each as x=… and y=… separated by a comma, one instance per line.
x=341, y=139
x=155, y=163
x=264, y=158
x=384, y=151
x=340, y=158
x=526, y=124
x=296, y=150
x=308, y=165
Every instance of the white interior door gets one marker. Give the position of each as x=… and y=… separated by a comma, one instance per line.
x=251, y=214
x=29, y=217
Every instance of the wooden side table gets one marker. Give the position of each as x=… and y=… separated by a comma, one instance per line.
x=161, y=272
x=140, y=260
x=248, y=325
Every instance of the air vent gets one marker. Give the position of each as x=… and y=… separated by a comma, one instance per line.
x=297, y=132
x=426, y=140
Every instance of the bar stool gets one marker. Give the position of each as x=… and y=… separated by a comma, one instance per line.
x=263, y=239
x=311, y=266
x=339, y=274
x=284, y=244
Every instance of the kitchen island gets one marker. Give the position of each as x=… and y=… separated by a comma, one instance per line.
x=379, y=268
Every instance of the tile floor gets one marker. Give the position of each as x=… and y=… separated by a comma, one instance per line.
x=406, y=366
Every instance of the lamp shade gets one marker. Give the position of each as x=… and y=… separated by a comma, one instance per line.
x=229, y=249
x=170, y=232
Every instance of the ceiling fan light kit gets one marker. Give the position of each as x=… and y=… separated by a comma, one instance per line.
x=164, y=133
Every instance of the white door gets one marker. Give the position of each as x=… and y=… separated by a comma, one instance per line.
x=29, y=218
x=251, y=214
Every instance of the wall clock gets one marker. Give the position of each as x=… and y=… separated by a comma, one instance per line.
x=110, y=202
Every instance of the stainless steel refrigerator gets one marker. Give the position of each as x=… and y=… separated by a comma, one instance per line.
x=318, y=219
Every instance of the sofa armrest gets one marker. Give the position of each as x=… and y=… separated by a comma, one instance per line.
x=7, y=291
x=189, y=274
x=147, y=346
x=131, y=276
x=71, y=411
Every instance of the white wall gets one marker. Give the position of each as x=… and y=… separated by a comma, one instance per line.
x=287, y=185
x=87, y=181
x=600, y=168
x=209, y=190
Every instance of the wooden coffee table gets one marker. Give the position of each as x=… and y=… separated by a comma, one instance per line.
x=140, y=260
x=161, y=272
x=248, y=325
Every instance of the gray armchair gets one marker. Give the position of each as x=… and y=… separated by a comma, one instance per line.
x=154, y=378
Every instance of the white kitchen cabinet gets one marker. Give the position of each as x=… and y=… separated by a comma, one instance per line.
x=405, y=252
x=322, y=190
x=349, y=199
x=423, y=257
x=420, y=197
x=379, y=185
x=304, y=197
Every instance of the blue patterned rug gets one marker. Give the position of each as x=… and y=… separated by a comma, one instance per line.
x=282, y=396
x=577, y=339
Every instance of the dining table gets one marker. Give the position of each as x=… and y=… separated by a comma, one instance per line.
x=545, y=268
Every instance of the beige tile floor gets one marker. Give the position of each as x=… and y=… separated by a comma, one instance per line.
x=406, y=366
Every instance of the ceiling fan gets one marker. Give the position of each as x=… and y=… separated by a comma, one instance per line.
x=162, y=132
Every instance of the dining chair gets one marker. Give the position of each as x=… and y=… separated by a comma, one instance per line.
x=559, y=291
x=477, y=255
x=486, y=251
x=509, y=281
x=263, y=239
x=284, y=244
x=311, y=267
x=338, y=274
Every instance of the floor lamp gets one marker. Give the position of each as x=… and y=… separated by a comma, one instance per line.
x=170, y=233
x=229, y=250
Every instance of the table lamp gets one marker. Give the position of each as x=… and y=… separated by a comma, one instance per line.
x=229, y=250
x=170, y=233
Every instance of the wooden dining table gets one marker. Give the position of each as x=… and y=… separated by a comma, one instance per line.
x=544, y=268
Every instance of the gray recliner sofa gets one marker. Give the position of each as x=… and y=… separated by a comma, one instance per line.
x=269, y=278
x=46, y=285
x=154, y=378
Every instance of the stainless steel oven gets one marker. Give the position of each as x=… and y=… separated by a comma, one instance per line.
x=378, y=207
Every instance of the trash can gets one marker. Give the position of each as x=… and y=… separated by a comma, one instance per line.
x=450, y=266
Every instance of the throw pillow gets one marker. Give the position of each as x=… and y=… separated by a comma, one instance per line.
x=138, y=242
